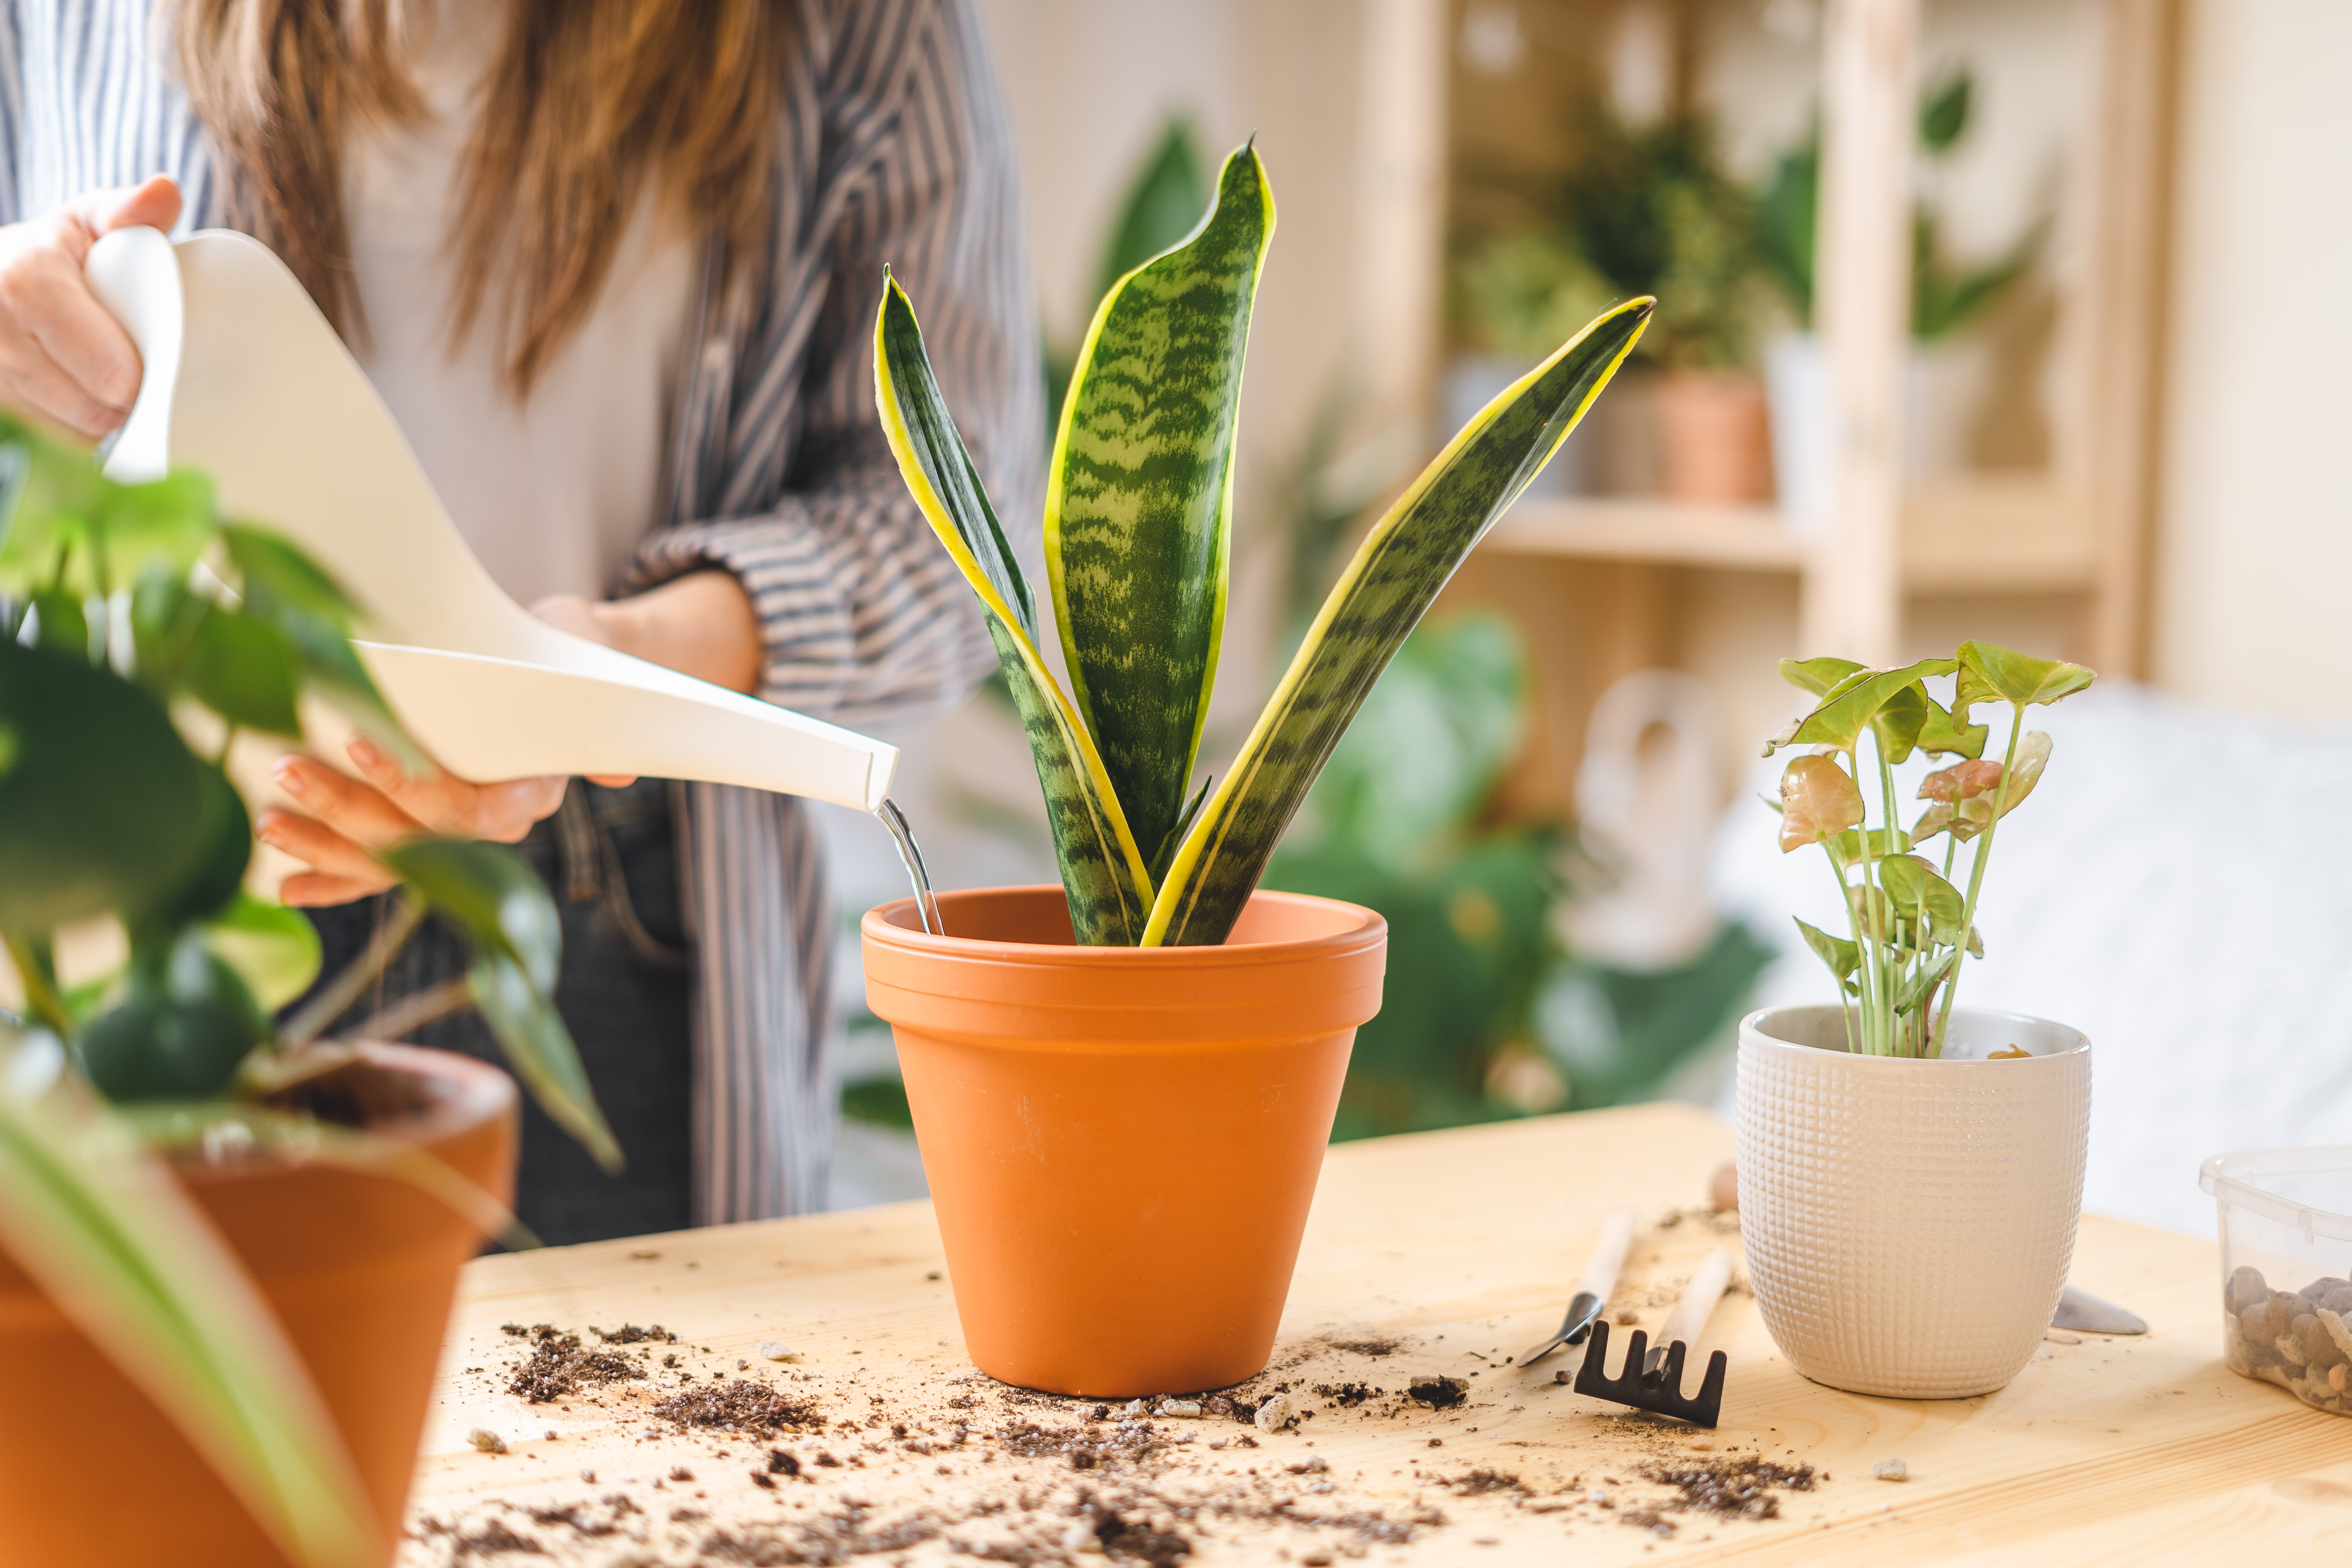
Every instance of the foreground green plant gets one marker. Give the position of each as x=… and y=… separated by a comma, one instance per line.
x=1907, y=923
x=133, y=617
x=1138, y=538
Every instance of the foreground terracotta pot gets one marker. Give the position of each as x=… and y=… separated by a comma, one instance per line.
x=1122, y=1142
x=360, y=1270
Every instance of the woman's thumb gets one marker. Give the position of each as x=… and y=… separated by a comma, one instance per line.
x=154, y=205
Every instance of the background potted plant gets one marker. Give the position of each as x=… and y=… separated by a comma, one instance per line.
x=1066, y=1050
x=228, y=1244
x=1910, y=1172
x=1947, y=299
x=1647, y=209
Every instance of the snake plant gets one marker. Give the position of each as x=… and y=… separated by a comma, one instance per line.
x=1138, y=522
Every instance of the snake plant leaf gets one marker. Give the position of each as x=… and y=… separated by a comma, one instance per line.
x=1138, y=501
x=2010, y=677
x=1855, y=701
x=1399, y=569
x=1108, y=884
x=100, y=1224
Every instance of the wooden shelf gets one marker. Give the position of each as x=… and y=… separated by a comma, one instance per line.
x=1982, y=535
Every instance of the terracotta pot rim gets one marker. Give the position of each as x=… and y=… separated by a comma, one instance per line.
x=465, y=1093
x=1755, y=1026
x=896, y=926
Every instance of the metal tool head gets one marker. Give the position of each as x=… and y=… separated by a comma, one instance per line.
x=1582, y=1310
x=1651, y=1383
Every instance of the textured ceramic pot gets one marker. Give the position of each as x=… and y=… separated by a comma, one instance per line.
x=1909, y=1224
x=1122, y=1142
x=360, y=1270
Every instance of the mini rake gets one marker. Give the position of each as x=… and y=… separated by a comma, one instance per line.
x=1653, y=1378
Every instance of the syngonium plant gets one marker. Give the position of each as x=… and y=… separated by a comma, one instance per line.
x=131, y=618
x=1907, y=923
x=1139, y=513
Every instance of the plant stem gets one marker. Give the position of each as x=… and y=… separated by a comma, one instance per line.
x=1886, y=792
x=336, y=998
x=40, y=995
x=415, y=1011
x=1976, y=869
x=1853, y=925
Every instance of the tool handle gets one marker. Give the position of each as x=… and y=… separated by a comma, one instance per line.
x=1706, y=1288
x=1608, y=1253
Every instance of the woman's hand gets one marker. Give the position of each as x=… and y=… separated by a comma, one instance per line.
x=63, y=356
x=701, y=624
x=347, y=818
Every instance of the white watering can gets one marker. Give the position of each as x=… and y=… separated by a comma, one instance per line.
x=246, y=380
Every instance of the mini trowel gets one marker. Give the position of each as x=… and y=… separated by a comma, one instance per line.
x=1593, y=1290
x=244, y=379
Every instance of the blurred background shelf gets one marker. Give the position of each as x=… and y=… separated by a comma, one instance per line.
x=1985, y=535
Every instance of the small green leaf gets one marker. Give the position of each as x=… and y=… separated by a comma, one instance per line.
x=490, y=894
x=1921, y=896
x=1878, y=842
x=274, y=574
x=542, y=1052
x=1843, y=957
x=1899, y=721
x=335, y=673
x=1998, y=672
x=1944, y=116
x=1854, y=703
x=1819, y=800
x=180, y=1032
x=1942, y=736
x=245, y=671
x=223, y=840
x=163, y=525
x=273, y=948
x=1818, y=676
x=102, y=809
x=1923, y=982
x=165, y=616
x=64, y=626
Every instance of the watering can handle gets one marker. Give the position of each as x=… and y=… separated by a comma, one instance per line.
x=244, y=379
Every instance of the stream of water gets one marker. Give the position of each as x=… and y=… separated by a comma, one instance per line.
x=911, y=854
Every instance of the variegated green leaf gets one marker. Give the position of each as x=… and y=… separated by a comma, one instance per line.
x=1110, y=888
x=1140, y=500
x=102, y=1228
x=1396, y=572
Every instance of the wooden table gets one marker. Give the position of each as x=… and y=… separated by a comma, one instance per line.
x=1457, y=1246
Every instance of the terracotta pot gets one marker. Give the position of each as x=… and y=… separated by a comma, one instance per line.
x=1714, y=438
x=1122, y=1142
x=360, y=1270
x=1908, y=1223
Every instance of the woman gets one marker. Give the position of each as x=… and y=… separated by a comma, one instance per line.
x=613, y=266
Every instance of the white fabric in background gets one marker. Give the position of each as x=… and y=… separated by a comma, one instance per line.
x=553, y=496
x=2180, y=888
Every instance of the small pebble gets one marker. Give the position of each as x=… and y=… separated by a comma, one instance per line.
x=2055, y=1337
x=681, y=1474
x=1081, y=1537
x=1135, y=1410
x=1216, y=1442
x=589, y=1475
x=742, y=1365
x=1701, y=1446
x=1278, y=1411
x=1891, y=1470
x=1188, y=1409
x=776, y=1350
x=488, y=1441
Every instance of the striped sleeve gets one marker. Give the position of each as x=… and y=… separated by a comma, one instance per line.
x=908, y=161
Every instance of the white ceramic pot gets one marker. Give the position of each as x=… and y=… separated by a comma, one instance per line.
x=1909, y=1224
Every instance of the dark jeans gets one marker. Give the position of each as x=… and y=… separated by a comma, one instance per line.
x=609, y=857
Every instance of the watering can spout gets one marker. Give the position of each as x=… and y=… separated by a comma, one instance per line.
x=247, y=380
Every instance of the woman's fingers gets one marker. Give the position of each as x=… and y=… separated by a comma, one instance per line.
x=502, y=813
x=353, y=809
x=62, y=355
x=340, y=870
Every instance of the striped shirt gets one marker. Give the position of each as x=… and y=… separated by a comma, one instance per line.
x=895, y=149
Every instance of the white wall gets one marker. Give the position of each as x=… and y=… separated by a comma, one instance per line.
x=2255, y=541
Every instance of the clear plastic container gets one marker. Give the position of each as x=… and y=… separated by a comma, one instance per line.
x=2286, y=1269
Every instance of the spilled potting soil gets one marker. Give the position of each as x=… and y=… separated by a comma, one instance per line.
x=728, y=1461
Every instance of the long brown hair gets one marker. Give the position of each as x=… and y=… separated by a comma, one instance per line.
x=588, y=100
